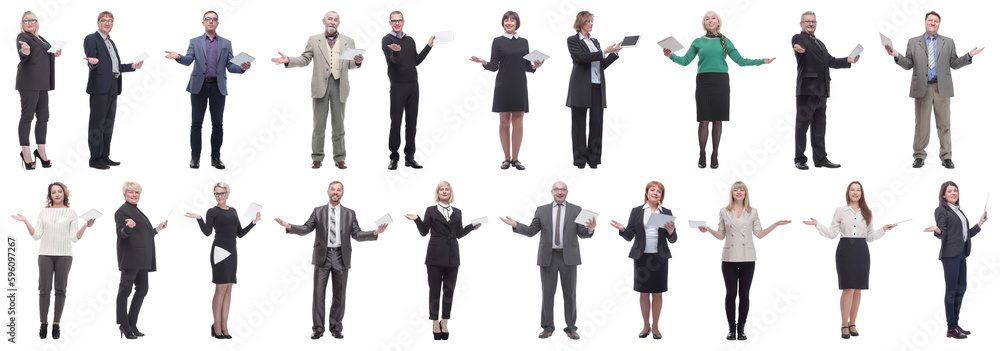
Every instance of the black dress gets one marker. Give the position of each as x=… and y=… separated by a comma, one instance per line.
x=227, y=227
x=507, y=59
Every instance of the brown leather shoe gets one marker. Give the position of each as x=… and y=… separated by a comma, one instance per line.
x=544, y=334
x=341, y=165
x=573, y=335
x=317, y=164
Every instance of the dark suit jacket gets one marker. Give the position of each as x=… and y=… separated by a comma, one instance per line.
x=442, y=249
x=37, y=70
x=814, y=66
x=579, y=80
x=198, y=53
x=947, y=60
x=136, y=247
x=543, y=222
x=101, y=74
x=319, y=220
x=952, y=241
x=636, y=227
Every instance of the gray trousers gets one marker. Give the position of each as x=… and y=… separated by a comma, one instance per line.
x=50, y=267
x=942, y=118
x=555, y=271
x=329, y=103
x=334, y=266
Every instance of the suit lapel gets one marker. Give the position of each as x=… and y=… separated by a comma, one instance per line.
x=342, y=223
x=324, y=217
x=436, y=214
x=325, y=48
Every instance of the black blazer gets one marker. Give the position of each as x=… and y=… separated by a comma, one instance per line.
x=636, y=227
x=100, y=76
x=442, y=249
x=579, y=80
x=952, y=243
x=37, y=70
x=814, y=66
x=136, y=247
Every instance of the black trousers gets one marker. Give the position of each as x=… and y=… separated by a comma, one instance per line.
x=33, y=103
x=738, y=277
x=588, y=150
x=810, y=111
x=102, y=123
x=438, y=277
x=52, y=268
x=131, y=277
x=403, y=97
x=954, y=287
x=212, y=99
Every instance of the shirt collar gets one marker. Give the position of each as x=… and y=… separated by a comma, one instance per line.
x=104, y=36
x=556, y=204
x=510, y=36
x=210, y=39
x=397, y=36
x=926, y=36
x=953, y=206
x=442, y=204
x=332, y=207
x=645, y=206
x=580, y=35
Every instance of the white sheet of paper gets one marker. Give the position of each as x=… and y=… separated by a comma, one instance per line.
x=219, y=254
x=696, y=224
x=480, y=220
x=626, y=41
x=166, y=218
x=350, y=53
x=252, y=211
x=444, y=37
x=243, y=57
x=92, y=214
x=659, y=219
x=384, y=220
x=58, y=45
x=987, y=202
x=141, y=57
x=585, y=215
x=904, y=221
x=670, y=43
x=857, y=51
x=885, y=40
x=536, y=55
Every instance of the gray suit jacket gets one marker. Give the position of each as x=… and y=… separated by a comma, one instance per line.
x=318, y=48
x=916, y=58
x=542, y=222
x=319, y=220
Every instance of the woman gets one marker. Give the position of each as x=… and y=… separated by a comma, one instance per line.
x=136, y=258
x=956, y=244
x=712, y=91
x=853, y=223
x=738, y=223
x=444, y=222
x=587, y=89
x=35, y=77
x=57, y=228
x=226, y=223
x=651, y=255
x=510, y=96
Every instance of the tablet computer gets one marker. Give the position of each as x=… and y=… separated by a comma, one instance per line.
x=631, y=41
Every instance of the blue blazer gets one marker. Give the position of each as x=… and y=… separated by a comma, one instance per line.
x=197, y=53
x=101, y=74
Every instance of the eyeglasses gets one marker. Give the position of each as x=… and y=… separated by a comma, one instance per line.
x=106, y=21
x=221, y=194
x=396, y=21
x=809, y=22
x=211, y=19
x=30, y=21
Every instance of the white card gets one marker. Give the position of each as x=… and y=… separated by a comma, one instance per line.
x=585, y=215
x=384, y=220
x=897, y=223
x=444, y=37
x=857, y=51
x=58, y=45
x=242, y=57
x=92, y=214
x=696, y=224
x=885, y=40
x=670, y=43
x=252, y=211
x=141, y=57
x=480, y=220
x=536, y=55
x=350, y=53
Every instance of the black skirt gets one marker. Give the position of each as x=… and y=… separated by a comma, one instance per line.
x=711, y=95
x=650, y=273
x=853, y=263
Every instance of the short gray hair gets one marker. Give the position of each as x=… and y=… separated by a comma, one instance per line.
x=221, y=185
x=804, y=14
x=329, y=12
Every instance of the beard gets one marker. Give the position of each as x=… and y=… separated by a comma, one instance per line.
x=331, y=30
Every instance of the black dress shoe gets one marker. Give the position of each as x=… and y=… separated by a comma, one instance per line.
x=506, y=164
x=956, y=333
x=109, y=162
x=217, y=163
x=55, y=331
x=195, y=162
x=948, y=164
x=98, y=165
x=855, y=331
x=316, y=334
x=412, y=164
x=845, y=332
x=393, y=164
x=517, y=165
x=338, y=335
x=801, y=165
x=43, y=331
x=827, y=164
x=966, y=332
x=917, y=163
x=644, y=335
x=701, y=160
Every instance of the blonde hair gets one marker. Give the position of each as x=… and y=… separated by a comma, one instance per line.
x=221, y=185
x=716, y=16
x=581, y=19
x=746, y=197
x=437, y=198
x=131, y=186
x=29, y=15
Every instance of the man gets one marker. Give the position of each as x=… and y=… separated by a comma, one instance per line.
x=558, y=254
x=335, y=225
x=208, y=84
x=402, y=60
x=931, y=85
x=330, y=85
x=812, y=88
x=104, y=84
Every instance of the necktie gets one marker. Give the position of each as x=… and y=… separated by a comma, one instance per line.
x=558, y=225
x=333, y=224
x=931, y=60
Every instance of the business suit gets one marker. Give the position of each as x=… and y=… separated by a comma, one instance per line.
x=442, y=254
x=929, y=94
x=650, y=274
x=812, y=88
x=739, y=258
x=955, y=247
x=136, y=250
x=104, y=86
x=557, y=264
x=36, y=75
x=329, y=261
x=330, y=87
x=206, y=90
x=585, y=94
x=404, y=91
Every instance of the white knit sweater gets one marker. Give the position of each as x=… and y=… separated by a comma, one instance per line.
x=56, y=228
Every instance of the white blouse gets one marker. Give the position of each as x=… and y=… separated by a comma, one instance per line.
x=849, y=224
x=652, y=233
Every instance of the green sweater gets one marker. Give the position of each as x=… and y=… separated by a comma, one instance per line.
x=710, y=57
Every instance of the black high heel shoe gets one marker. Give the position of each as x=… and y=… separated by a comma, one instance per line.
x=846, y=335
x=444, y=334
x=853, y=333
x=701, y=160
x=715, y=160
x=27, y=165
x=217, y=336
x=137, y=332
x=126, y=332
x=437, y=335
x=45, y=163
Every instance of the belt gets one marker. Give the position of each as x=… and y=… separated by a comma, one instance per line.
x=557, y=250
x=932, y=80
x=117, y=75
x=211, y=80
x=333, y=249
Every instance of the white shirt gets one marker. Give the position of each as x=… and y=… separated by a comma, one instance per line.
x=965, y=222
x=445, y=210
x=559, y=209
x=333, y=237
x=849, y=224
x=652, y=233
x=595, y=66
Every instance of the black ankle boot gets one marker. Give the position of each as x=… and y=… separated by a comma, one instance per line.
x=739, y=331
x=732, y=332
x=43, y=330
x=55, y=331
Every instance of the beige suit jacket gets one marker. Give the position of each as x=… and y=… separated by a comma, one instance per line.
x=738, y=233
x=317, y=47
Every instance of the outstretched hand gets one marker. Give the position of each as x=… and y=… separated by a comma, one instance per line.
x=281, y=59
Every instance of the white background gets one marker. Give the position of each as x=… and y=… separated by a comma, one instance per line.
x=650, y=134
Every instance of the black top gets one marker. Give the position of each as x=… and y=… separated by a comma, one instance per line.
x=442, y=249
x=136, y=247
x=507, y=59
x=227, y=227
x=37, y=70
x=579, y=94
x=814, y=65
x=402, y=64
